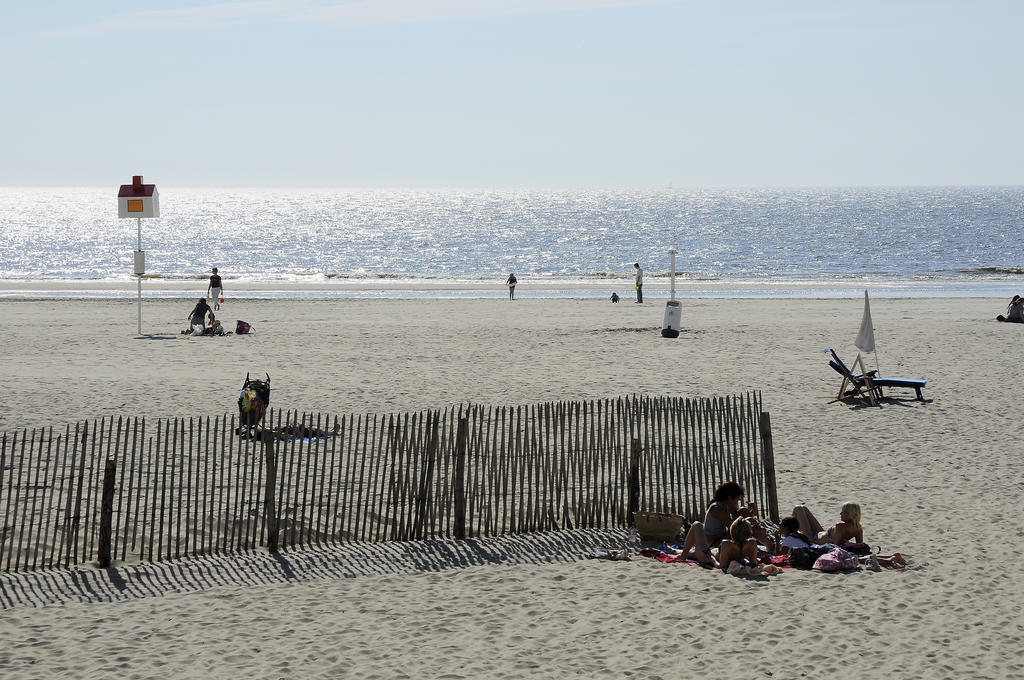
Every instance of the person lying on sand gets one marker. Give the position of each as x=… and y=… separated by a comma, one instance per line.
x=286, y=432
x=790, y=536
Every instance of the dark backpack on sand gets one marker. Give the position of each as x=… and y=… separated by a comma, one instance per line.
x=804, y=558
x=241, y=327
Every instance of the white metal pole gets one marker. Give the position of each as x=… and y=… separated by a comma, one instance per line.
x=672, y=285
x=139, y=221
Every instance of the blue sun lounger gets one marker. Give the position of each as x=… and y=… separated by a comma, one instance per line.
x=868, y=386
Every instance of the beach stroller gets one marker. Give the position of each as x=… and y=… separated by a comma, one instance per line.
x=253, y=401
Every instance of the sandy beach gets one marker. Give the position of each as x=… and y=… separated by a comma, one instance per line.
x=923, y=473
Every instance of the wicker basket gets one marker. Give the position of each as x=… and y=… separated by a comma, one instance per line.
x=658, y=526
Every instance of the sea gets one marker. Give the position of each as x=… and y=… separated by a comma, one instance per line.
x=403, y=243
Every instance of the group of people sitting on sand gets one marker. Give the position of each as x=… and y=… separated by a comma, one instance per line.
x=728, y=537
x=197, y=321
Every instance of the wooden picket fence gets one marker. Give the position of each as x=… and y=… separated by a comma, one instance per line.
x=125, y=490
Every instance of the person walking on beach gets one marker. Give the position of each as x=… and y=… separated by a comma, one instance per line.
x=639, y=283
x=511, y=283
x=215, y=288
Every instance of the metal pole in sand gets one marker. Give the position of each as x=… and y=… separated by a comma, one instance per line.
x=673, y=309
x=139, y=274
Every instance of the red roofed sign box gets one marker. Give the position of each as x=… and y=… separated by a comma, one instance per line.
x=138, y=199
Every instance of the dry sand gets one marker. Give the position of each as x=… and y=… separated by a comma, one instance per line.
x=925, y=474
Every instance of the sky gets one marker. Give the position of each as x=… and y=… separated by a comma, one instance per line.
x=532, y=94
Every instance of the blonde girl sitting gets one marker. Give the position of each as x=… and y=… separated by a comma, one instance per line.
x=847, y=529
x=738, y=553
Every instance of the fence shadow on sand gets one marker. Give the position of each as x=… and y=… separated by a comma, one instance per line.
x=122, y=582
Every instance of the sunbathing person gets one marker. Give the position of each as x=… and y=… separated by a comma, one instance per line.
x=702, y=537
x=847, y=529
x=738, y=553
x=290, y=431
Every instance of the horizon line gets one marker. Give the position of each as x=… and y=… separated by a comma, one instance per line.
x=704, y=187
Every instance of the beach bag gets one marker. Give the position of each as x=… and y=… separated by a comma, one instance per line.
x=857, y=548
x=804, y=558
x=836, y=559
x=241, y=327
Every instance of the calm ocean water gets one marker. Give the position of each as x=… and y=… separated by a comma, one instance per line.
x=956, y=241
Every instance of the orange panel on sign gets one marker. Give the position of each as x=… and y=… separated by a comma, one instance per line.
x=135, y=205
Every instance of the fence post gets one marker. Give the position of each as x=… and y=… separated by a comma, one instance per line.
x=72, y=529
x=106, y=512
x=427, y=475
x=459, y=483
x=634, y=481
x=269, y=506
x=768, y=458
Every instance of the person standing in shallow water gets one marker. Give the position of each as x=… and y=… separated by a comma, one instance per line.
x=215, y=288
x=511, y=283
x=639, y=283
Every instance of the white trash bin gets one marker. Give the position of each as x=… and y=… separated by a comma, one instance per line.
x=673, y=314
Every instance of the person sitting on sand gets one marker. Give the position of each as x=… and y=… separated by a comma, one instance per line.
x=847, y=529
x=702, y=537
x=215, y=328
x=197, y=317
x=738, y=553
x=1014, y=311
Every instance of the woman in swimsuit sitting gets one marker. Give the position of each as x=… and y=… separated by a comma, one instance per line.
x=848, y=528
x=723, y=511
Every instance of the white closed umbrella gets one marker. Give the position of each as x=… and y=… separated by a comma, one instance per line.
x=865, y=341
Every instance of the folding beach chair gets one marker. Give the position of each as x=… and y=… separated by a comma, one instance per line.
x=868, y=386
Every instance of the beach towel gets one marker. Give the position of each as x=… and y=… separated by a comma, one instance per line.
x=661, y=555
